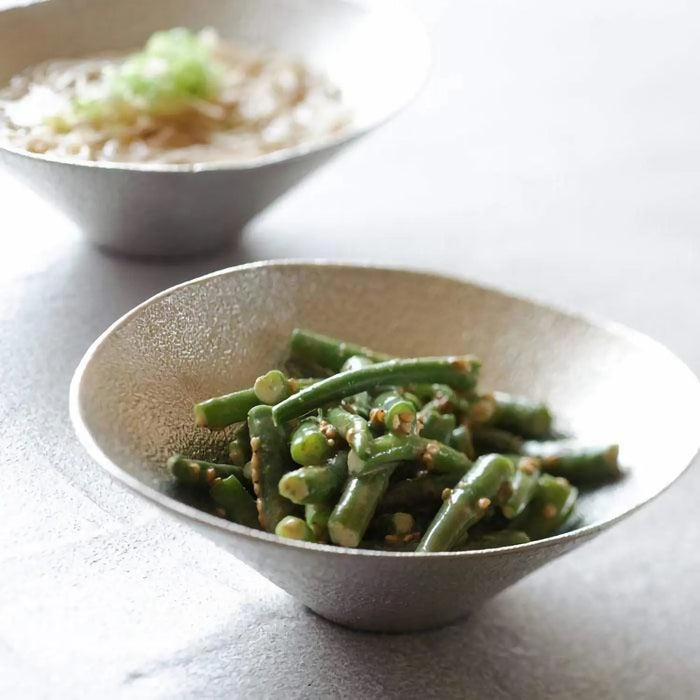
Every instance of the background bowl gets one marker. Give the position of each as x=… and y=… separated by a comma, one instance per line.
x=132, y=396
x=378, y=56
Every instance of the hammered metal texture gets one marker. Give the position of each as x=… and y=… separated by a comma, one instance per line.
x=378, y=57
x=133, y=397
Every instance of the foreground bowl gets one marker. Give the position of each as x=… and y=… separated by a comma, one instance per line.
x=132, y=395
x=378, y=56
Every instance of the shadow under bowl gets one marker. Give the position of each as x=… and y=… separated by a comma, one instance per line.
x=378, y=56
x=132, y=396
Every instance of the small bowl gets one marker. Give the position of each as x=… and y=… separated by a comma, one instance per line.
x=377, y=55
x=132, y=395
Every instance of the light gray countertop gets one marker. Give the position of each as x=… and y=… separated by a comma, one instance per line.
x=556, y=154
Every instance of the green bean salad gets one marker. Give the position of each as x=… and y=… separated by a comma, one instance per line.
x=355, y=448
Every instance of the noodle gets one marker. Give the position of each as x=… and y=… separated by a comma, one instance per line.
x=264, y=102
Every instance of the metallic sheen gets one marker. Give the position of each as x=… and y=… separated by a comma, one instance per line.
x=377, y=55
x=132, y=395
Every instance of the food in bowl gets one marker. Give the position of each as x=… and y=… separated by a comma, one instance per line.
x=356, y=448
x=186, y=97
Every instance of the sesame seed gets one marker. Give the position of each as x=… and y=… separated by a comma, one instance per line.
x=549, y=511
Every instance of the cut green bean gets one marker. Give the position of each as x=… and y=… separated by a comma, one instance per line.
x=380, y=452
x=309, y=444
x=524, y=486
x=410, y=396
x=326, y=351
x=434, y=456
x=272, y=387
x=461, y=440
x=294, y=528
x=269, y=463
x=391, y=525
x=553, y=503
x=424, y=490
x=357, y=362
x=239, y=448
x=578, y=463
x=438, y=426
x=516, y=414
x=359, y=404
x=316, y=516
x=467, y=503
x=352, y=514
x=238, y=505
x=316, y=484
x=459, y=371
x=352, y=428
x=196, y=472
x=397, y=413
x=222, y=411
x=437, y=396
x=489, y=440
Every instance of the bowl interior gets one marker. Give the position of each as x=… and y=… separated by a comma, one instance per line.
x=378, y=57
x=134, y=392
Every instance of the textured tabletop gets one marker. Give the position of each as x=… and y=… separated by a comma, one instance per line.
x=555, y=153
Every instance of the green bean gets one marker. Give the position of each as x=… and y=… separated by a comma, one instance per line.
x=320, y=484
x=222, y=411
x=309, y=444
x=460, y=371
x=238, y=505
x=434, y=456
x=438, y=426
x=423, y=490
x=352, y=514
x=554, y=501
x=316, y=516
x=524, y=486
x=467, y=503
x=239, y=448
x=397, y=413
x=391, y=525
x=269, y=463
x=294, y=528
x=272, y=387
x=488, y=440
x=357, y=362
x=328, y=352
x=516, y=414
x=461, y=440
x=578, y=463
x=352, y=428
x=196, y=472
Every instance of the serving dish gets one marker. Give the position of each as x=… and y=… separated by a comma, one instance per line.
x=132, y=395
x=377, y=54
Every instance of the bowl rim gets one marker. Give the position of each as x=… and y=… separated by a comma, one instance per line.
x=177, y=508
x=292, y=153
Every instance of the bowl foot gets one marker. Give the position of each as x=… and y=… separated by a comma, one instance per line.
x=377, y=623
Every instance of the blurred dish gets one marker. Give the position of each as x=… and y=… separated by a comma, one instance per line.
x=376, y=55
x=187, y=97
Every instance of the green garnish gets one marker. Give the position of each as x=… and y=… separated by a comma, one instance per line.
x=175, y=67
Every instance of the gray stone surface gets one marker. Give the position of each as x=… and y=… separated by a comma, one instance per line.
x=555, y=154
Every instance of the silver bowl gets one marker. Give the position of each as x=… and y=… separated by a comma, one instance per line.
x=132, y=395
x=378, y=55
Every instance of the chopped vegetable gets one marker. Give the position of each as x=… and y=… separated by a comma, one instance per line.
x=397, y=473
